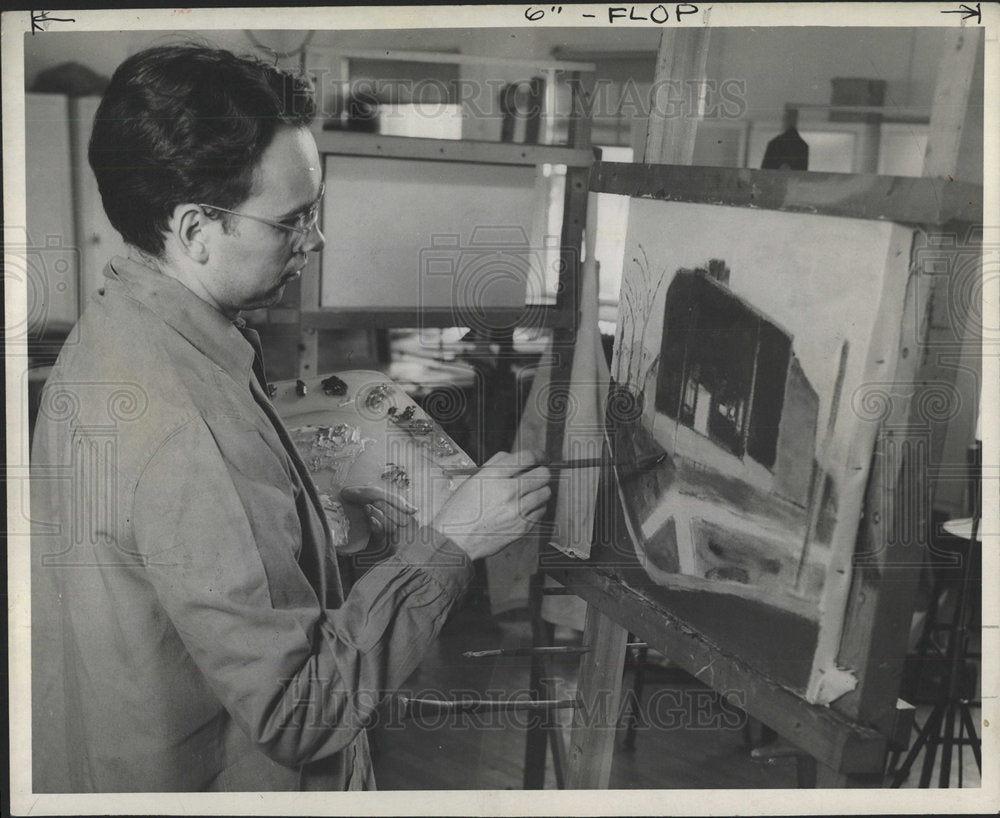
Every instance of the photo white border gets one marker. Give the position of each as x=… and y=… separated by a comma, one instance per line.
x=635, y=802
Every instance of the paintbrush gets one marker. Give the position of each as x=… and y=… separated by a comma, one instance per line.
x=641, y=464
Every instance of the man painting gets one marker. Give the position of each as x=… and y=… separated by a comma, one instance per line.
x=189, y=629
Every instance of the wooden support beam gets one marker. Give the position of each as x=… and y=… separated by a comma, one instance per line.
x=680, y=67
x=900, y=199
x=829, y=737
x=563, y=344
x=307, y=298
x=951, y=98
x=309, y=353
x=536, y=736
x=896, y=528
x=595, y=720
x=349, y=143
x=321, y=55
x=866, y=150
x=532, y=315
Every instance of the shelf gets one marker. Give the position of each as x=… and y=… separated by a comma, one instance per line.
x=449, y=150
x=544, y=316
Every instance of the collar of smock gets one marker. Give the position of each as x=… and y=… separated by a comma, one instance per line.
x=217, y=336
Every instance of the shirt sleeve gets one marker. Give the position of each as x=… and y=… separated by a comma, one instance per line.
x=215, y=521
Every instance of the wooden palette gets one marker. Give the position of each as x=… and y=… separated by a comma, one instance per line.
x=364, y=430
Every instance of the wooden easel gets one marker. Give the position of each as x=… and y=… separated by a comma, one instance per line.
x=540, y=734
x=849, y=739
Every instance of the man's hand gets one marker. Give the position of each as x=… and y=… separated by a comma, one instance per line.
x=387, y=513
x=500, y=504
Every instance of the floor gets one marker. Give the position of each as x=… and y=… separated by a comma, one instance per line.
x=688, y=738
x=695, y=743
x=964, y=772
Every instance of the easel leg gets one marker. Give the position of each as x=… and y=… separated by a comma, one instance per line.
x=554, y=730
x=635, y=703
x=970, y=728
x=595, y=720
x=535, y=745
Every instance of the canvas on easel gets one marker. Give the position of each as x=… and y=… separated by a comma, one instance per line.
x=756, y=348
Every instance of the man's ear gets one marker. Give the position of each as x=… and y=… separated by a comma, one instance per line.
x=190, y=228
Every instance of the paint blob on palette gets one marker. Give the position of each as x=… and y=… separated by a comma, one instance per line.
x=330, y=453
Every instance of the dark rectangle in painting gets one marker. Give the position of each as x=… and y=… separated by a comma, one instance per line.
x=722, y=367
x=679, y=317
x=773, y=353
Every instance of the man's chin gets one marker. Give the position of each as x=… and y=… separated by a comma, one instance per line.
x=275, y=294
x=268, y=300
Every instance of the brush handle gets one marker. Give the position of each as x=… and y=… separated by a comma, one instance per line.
x=581, y=463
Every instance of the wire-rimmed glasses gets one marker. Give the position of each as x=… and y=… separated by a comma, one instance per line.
x=301, y=224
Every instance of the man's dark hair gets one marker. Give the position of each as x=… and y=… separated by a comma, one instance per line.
x=187, y=123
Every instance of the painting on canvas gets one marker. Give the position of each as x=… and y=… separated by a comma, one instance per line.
x=748, y=344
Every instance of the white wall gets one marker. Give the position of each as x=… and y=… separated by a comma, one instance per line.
x=782, y=65
x=778, y=64
x=103, y=51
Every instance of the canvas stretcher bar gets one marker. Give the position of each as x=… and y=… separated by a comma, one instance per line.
x=833, y=740
x=899, y=199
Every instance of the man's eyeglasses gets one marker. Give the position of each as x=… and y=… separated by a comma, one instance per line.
x=301, y=223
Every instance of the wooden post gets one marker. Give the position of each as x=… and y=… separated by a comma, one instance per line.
x=880, y=605
x=670, y=136
x=307, y=365
x=595, y=720
x=866, y=152
x=535, y=744
x=679, y=79
x=951, y=96
x=563, y=344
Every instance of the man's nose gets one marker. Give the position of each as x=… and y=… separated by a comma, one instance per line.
x=315, y=240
